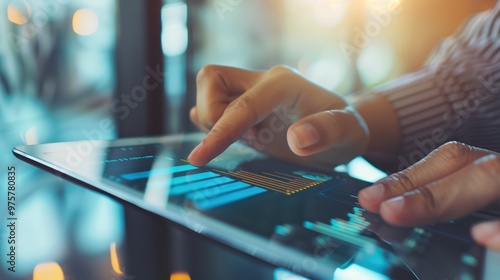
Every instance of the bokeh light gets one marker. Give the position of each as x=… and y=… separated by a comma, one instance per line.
x=48, y=271
x=115, y=262
x=180, y=276
x=376, y=63
x=174, y=33
x=329, y=73
x=40, y=214
x=19, y=12
x=330, y=12
x=85, y=22
x=383, y=4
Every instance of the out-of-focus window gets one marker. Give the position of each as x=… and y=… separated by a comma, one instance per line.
x=344, y=45
x=56, y=83
x=56, y=61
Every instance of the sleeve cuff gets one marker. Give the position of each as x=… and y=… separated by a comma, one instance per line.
x=422, y=109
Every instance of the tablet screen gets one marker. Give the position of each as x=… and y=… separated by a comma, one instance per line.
x=303, y=219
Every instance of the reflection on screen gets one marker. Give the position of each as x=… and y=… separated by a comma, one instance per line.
x=208, y=188
x=315, y=213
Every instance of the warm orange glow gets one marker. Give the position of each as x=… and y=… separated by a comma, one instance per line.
x=180, y=276
x=48, y=271
x=383, y=4
x=85, y=22
x=115, y=263
x=19, y=14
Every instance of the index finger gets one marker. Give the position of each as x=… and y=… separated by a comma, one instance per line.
x=217, y=87
x=240, y=115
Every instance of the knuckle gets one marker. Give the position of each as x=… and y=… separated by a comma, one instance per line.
x=243, y=101
x=430, y=201
x=221, y=132
x=331, y=124
x=244, y=105
x=207, y=73
x=489, y=168
x=209, y=120
x=401, y=183
x=405, y=181
x=208, y=117
x=195, y=118
x=453, y=150
x=282, y=70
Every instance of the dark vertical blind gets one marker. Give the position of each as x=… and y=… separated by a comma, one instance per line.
x=139, y=101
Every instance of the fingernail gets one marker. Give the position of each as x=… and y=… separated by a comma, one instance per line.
x=394, y=205
x=305, y=135
x=373, y=193
x=486, y=230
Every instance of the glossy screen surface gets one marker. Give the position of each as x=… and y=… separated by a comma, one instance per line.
x=305, y=220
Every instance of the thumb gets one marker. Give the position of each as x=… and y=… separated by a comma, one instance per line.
x=329, y=129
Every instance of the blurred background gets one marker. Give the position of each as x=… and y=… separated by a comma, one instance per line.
x=101, y=69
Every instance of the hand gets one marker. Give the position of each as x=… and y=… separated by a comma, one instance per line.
x=278, y=112
x=452, y=181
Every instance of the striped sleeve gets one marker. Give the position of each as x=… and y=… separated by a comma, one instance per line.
x=456, y=96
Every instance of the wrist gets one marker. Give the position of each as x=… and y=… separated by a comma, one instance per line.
x=383, y=127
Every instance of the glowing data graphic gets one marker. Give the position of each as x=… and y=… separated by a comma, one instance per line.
x=200, y=185
x=204, y=189
x=156, y=172
x=276, y=181
x=347, y=231
x=208, y=188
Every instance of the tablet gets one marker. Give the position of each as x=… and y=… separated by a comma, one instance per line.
x=302, y=219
